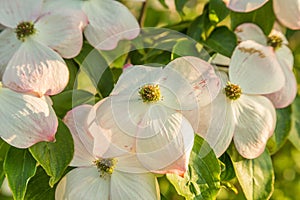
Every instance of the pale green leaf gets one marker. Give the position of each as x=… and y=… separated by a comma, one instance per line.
x=202, y=180
x=256, y=176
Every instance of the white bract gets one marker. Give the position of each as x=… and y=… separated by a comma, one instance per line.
x=286, y=95
x=106, y=178
x=109, y=21
x=286, y=11
x=26, y=119
x=244, y=5
x=240, y=111
x=142, y=113
x=32, y=44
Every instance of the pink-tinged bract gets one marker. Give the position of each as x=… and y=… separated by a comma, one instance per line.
x=288, y=12
x=282, y=55
x=13, y=12
x=32, y=61
x=109, y=21
x=62, y=32
x=255, y=68
x=36, y=69
x=128, y=175
x=249, y=120
x=255, y=120
x=244, y=5
x=26, y=119
x=154, y=129
x=8, y=47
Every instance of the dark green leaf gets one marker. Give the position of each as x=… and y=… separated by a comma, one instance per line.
x=116, y=73
x=217, y=11
x=4, y=147
x=256, y=176
x=38, y=187
x=201, y=27
x=282, y=130
x=294, y=136
x=202, y=180
x=19, y=167
x=263, y=17
x=55, y=157
x=96, y=67
x=222, y=40
x=179, y=4
x=73, y=70
x=163, y=3
x=65, y=101
x=227, y=168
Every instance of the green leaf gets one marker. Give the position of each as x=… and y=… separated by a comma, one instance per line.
x=227, y=172
x=217, y=11
x=38, y=187
x=163, y=3
x=256, y=176
x=65, y=101
x=202, y=180
x=282, y=130
x=202, y=26
x=73, y=70
x=294, y=136
x=222, y=40
x=264, y=17
x=55, y=157
x=187, y=47
x=4, y=147
x=116, y=73
x=179, y=4
x=117, y=57
x=19, y=167
x=167, y=190
x=96, y=67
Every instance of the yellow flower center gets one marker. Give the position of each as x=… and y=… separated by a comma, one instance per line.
x=275, y=41
x=150, y=93
x=105, y=166
x=25, y=29
x=232, y=91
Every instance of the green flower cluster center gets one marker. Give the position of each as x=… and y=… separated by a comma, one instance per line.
x=150, y=93
x=232, y=91
x=275, y=41
x=24, y=29
x=106, y=166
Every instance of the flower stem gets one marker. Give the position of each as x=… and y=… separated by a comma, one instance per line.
x=142, y=14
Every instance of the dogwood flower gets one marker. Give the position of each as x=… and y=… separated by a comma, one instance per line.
x=141, y=114
x=32, y=44
x=240, y=111
x=244, y=5
x=107, y=178
x=286, y=95
x=26, y=119
x=287, y=12
x=109, y=21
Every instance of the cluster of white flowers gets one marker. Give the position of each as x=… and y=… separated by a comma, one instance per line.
x=36, y=37
x=147, y=124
